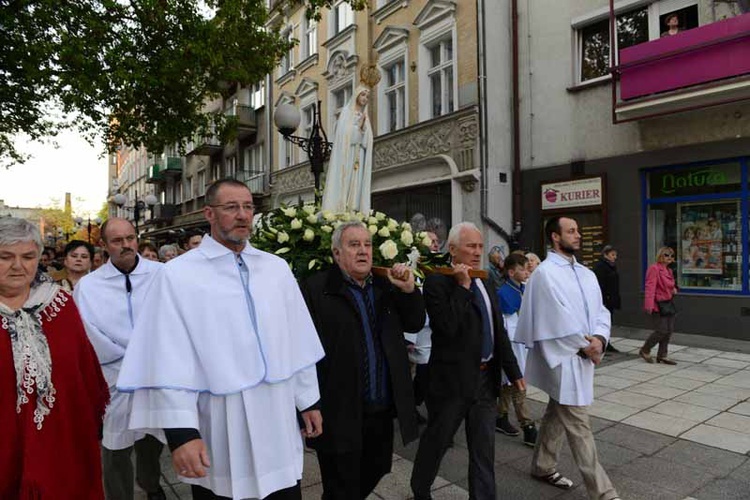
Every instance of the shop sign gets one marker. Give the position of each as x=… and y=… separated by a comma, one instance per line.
x=577, y=193
x=696, y=180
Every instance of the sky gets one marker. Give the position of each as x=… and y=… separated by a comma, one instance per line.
x=73, y=167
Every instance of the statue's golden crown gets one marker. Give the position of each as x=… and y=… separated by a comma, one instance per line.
x=369, y=75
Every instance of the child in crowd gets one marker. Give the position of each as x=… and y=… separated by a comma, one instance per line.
x=509, y=297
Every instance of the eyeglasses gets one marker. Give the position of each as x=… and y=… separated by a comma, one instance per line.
x=668, y=255
x=234, y=208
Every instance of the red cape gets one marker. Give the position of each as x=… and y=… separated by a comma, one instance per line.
x=61, y=460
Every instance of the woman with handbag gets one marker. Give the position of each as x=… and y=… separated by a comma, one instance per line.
x=660, y=290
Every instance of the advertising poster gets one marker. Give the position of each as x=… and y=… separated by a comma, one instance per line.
x=701, y=250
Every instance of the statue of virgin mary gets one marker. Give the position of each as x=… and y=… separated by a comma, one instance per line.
x=347, y=186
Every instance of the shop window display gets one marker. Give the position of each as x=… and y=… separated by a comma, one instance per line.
x=701, y=212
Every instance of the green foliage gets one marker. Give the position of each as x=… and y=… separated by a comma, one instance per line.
x=133, y=72
x=301, y=235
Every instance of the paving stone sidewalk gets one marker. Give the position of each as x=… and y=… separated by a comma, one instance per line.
x=663, y=432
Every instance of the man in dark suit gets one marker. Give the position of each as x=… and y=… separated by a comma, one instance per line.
x=470, y=347
x=364, y=376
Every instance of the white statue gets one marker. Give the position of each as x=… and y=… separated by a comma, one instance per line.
x=347, y=185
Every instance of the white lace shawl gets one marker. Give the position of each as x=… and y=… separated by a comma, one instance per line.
x=31, y=356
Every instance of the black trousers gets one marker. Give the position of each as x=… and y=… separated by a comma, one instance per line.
x=292, y=493
x=353, y=475
x=446, y=416
x=421, y=383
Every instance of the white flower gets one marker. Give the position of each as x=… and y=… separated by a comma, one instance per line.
x=345, y=217
x=406, y=226
x=336, y=224
x=326, y=228
x=384, y=232
x=282, y=250
x=296, y=224
x=359, y=216
x=389, y=250
x=310, y=209
x=329, y=216
x=407, y=238
x=290, y=212
x=373, y=229
x=372, y=220
x=309, y=235
x=392, y=224
x=380, y=215
x=427, y=242
x=282, y=237
x=312, y=219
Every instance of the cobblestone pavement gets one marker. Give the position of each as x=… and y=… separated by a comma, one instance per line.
x=663, y=432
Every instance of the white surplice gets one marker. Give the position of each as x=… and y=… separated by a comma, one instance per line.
x=561, y=305
x=196, y=360
x=106, y=310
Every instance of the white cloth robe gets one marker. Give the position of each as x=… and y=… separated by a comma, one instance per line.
x=197, y=361
x=561, y=305
x=102, y=300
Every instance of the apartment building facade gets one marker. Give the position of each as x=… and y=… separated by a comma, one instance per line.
x=653, y=153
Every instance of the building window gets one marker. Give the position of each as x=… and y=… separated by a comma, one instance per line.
x=633, y=27
x=189, y=193
x=308, y=117
x=255, y=168
x=231, y=166
x=440, y=76
x=343, y=16
x=310, y=41
x=339, y=98
x=201, y=183
x=395, y=96
x=287, y=61
x=258, y=95
x=701, y=212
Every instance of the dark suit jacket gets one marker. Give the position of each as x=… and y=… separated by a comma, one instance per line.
x=457, y=340
x=338, y=321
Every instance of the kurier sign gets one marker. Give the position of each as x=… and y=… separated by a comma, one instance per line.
x=577, y=193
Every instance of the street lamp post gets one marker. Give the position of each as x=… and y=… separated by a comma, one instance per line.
x=97, y=221
x=148, y=202
x=318, y=149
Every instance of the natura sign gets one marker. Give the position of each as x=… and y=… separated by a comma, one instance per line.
x=578, y=193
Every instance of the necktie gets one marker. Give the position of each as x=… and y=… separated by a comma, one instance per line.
x=129, y=292
x=245, y=276
x=487, y=343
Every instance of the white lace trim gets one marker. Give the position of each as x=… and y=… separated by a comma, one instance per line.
x=31, y=356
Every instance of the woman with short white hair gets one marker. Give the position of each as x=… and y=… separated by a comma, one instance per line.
x=52, y=392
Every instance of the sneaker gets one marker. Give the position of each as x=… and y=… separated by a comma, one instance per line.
x=529, y=435
x=502, y=424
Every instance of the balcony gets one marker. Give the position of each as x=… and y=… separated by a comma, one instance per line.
x=204, y=146
x=255, y=180
x=244, y=117
x=154, y=174
x=701, y=67
x=165, y=212
x=170, y=166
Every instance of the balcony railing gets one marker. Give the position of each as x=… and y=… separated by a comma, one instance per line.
x=205, y=146
x=245, y=119
x=171, y=165
x=255, y=180
x=154, y=174
x=701, y=67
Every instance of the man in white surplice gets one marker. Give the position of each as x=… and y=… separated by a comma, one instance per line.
x=566, y=327
x=222, y=358
x=110, y=299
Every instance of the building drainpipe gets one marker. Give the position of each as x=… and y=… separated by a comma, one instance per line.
x=509, y=237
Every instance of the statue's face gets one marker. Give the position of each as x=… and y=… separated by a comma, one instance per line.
x=363, y=98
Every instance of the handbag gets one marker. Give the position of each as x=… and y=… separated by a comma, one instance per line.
x=666, y=307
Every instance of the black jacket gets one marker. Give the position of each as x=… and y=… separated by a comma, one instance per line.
x=609, y=282
x=337, y=319
x=457, y=339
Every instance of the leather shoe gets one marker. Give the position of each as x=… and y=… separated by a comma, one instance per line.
x=666, y=361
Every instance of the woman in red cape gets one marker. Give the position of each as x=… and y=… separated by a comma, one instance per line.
x=52, y=392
